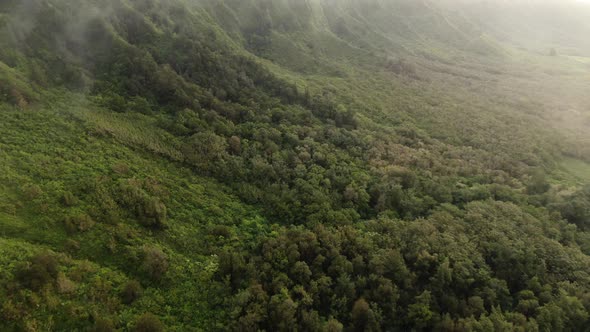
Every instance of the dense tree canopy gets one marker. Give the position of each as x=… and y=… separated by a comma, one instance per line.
x=286, y=166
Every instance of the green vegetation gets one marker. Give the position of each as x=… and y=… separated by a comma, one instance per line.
x=194, y=165
x=578, y=168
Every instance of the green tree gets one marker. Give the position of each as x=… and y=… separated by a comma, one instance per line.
x=363, y=317
x=419, y=312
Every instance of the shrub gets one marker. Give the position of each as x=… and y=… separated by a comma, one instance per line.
x=148, y=323
x=72, y=245
x=334, y=325
x=69, y=199
x=79, y=222
x=18, y=99
x=103, y=325
x=155, y=262
x=220, y=231
x=8, y=208
x=131, y=292
x=150, y=211
x=39, y=271
x=153, y=213
x=32, y=192
x=9, y=311
x=120, y=168
x=140, y=105
x=403, y=67
x=65, y=285
x=235, y=145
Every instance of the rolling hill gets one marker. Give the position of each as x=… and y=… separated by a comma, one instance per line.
x=294, y=165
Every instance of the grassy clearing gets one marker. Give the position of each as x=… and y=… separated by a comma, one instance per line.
x=578, y=169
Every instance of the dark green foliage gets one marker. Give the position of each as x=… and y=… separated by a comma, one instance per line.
x=419, y=313
x=363, y=318
x=265, y=166
x=103, y=325
x=327, y=269
x=148, y=323
x=152, y=213
x=154, y=263
x=576, y=207
x=78, y=223
x=39, y=271
x=69, y=199
x=30, y=192
x=131, y=292
x=538, y=183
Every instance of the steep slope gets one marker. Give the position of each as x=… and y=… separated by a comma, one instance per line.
x=279, y=165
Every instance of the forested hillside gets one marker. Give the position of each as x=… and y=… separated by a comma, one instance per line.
x=294, y=165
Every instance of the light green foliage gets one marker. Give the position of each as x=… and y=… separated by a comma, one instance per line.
x=290, y=165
